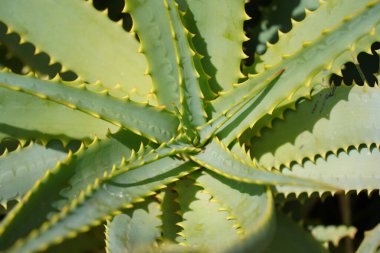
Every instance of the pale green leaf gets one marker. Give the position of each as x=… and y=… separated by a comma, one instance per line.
x=218, y=158
x=20, y=169
x=151, y=22
x=277, y=17
x=55, y=28
x=334, y=119
x=23, y=116
x=250, y=207
x=103, y=199
x=191, y=96
x=357, y=30
x=329, y=15
x=352, y=171
x=203, y=218
x=219, y=41
x=134, y=116
x=134, y=230
x=61, y=186
x=170, y=216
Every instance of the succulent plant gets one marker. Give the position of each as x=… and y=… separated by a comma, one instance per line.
x=161, y=134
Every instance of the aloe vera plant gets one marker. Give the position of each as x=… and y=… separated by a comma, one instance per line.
x=164, y=137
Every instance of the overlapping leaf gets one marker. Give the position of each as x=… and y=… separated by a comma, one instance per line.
x=118, y=63
x=335, y=118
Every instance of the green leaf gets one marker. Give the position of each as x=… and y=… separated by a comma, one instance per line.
x=276, y=18
x=62, y=185
x=219, y=41
x=355, y=170
x=131, y=115
x=22, y=116
x=371, y=242
x=290, y=237
x=216, y=157
x=328, y=16
x=203, y=218
x=170, y=213
x=25, y=52
x=151, y=22
x=101, y=200
x=232, y=117
x=320, y=126
x=20, y=169
x=47, y=24
x=250, y=207
x=191, y=96
x=355, y=32
x=66, y=186
x=134, y=230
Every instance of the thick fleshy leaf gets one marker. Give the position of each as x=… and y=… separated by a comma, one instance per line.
x=351, y=171
x=20, y=169
x=154, y=123
x=134, y=230
x=250, y=207
x=55, y=28
x=220, y=42
x=170, y=214
x=216, y=157
x=22, y=116
x=65, y=187
x=236, y=112
x=37, y=62
x=152, y=24
x=191, y=96
x=328, y=50
x=274, y=18
x=203, y=218
x=102, y=199
x=328, y=16
x=61, y=186
x=334, y=119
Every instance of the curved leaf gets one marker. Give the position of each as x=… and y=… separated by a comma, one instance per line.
x=134, y=230
x=20, y=169
x=219, y=41
x=170, y=214
x=151, y=22
x=327, y=16
x=203, y=218
x=334, y=119
x=190, y=99
x=101, y=200
x=61, y=186
x=351, y=171
x=23, y=116
x=48, y=23
x=356, y=31
x=134, y=116
x=250, y=207
x=276, y=18
x=216, y=157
